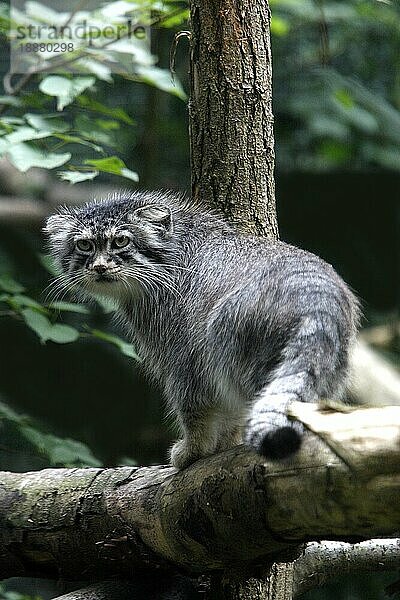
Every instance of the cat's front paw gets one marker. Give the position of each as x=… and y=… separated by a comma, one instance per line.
x=182, y=454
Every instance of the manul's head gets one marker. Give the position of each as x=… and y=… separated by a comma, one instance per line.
x=116, y=248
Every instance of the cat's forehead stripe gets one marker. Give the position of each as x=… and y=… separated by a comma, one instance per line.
x=85, y=232
x=106, y=231
x=110, y=231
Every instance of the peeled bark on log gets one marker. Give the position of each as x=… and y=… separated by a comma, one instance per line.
x=231, y=508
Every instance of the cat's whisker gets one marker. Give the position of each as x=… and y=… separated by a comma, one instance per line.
x=155, y=279
x=63, y=286
x=61, y=280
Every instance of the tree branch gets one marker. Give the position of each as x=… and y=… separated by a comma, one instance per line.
x=22, y=211
x=228, y=509
x=373, y=379
x=322, y=562
x=105, y=590
x=144, y=587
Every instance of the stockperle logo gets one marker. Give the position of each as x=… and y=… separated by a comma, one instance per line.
x=91, y=36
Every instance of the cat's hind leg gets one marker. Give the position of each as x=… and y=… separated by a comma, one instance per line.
x=210, y=431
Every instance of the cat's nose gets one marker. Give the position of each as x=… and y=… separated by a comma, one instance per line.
x=100, y=268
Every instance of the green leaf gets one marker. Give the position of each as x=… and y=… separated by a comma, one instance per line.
x=38, y=323
x=161, y=79
x=57, y=451
x=5, y=126
x=89, y=130
x=106, y=305
x=26, y=301
x=107, y=124
x=24, y=156
x=44, y=13
x=279, y=26
x=97, y=68
x=10, y=100
x=77, y=176
x=364, y=120
x=127, y=461
x=8, y=413
x=123, y=346
x=176, y=20
x=25, y=134
x=344, y=97
x=17, y=302
x=72, y=452
x=59, y=333
x=12, y=121
x=46, y=122
x=8, y=284
x=129, y=174
x=116, y=113
x=326, y=126
x=70, y=307
x=60, y=451
x=114, y=165
x=48, y=263
x=74, y=139
x=66, y=90
x=335, y=151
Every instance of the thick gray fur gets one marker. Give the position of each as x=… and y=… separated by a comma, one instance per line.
x=232, y=327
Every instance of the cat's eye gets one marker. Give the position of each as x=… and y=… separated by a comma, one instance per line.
x=121, y=241
x=84, y=245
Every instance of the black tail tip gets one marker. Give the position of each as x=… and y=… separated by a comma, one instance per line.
x=281, y=443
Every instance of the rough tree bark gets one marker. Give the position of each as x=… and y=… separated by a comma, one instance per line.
x=231, y=133
x=230, y=109
x=232, y=512
x=232, y=143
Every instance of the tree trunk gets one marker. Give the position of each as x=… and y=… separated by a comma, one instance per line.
x=230, y=110
x=231, y=133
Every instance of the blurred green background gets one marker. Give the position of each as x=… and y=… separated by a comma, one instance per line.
x=337, y=126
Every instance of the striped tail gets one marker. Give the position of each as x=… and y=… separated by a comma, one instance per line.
x=313, y=365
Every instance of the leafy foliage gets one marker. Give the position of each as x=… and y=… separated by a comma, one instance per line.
x=45, y=126
x=43, y=318
x=54, y=450
x=336, y=87
x=34, y=139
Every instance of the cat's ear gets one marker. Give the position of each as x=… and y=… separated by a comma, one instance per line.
x=58, y=227
x=156, y=216
x=55, y=223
